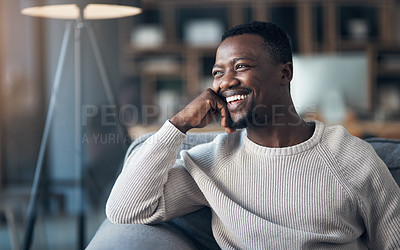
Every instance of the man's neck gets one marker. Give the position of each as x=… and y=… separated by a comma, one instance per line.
x=283, y=132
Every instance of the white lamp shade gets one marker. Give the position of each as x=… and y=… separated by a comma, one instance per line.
x=93, y=9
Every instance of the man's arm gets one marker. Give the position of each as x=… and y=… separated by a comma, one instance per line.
x=380, y=203
x=152, y=187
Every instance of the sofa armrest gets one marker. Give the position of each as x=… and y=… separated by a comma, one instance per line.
x=191, y=231
x=138, y=236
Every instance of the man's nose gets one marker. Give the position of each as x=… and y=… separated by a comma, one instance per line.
x=229, y=80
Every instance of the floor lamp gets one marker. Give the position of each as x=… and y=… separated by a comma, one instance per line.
x=78, y=12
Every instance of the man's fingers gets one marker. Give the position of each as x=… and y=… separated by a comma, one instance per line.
x=218, y=105
x=229, y=130
x=223, y=110
x=225, y=117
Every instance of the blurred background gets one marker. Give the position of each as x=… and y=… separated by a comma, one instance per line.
x=346, y=71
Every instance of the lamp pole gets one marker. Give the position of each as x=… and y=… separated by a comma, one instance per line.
x=79, y=171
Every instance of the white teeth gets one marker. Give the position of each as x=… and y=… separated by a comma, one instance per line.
x=236, y=98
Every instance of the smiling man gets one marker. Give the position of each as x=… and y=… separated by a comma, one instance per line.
x=280, y=183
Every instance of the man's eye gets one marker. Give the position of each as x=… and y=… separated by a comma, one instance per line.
x=216, y=73
x=241, y=66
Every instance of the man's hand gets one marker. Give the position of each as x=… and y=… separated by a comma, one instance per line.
x=201, y=112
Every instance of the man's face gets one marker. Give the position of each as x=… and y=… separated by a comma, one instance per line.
x=246, y=78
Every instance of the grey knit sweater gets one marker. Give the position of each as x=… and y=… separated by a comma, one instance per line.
x=331, y=191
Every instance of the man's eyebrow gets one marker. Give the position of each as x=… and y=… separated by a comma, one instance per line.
x=234, y=60
x=217, y=66
x=242, y=58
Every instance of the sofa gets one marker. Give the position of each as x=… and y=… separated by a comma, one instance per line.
x=193, y=231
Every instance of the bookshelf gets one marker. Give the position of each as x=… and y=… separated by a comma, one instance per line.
x=315, y=26
x=384, y=80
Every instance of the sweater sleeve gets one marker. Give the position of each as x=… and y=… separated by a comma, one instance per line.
x=379, y=200
x=153, y=186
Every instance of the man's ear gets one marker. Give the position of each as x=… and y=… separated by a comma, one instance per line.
x=287, y=73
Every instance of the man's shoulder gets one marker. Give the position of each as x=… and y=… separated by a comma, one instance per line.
x=347, y=150
x=340, y=141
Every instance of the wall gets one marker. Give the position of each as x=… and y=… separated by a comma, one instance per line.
x=22, y=94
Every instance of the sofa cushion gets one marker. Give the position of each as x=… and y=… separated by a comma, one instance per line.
x=389, y=151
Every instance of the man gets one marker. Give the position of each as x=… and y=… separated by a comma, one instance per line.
x=282, y=183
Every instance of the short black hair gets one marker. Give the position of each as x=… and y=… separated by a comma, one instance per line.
x=277, y=42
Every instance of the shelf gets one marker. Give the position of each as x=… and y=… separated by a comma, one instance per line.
x=383, y=72
x=362, y=129
x=134, y=51
x=176, y=48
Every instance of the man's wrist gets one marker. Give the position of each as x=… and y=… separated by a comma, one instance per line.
x=182, y=126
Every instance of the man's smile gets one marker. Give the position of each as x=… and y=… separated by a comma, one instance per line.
x=236, y=98
x=237, y=102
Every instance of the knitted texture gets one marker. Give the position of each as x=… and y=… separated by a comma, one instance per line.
x=331, y=191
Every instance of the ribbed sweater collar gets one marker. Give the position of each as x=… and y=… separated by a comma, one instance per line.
x=254, y=148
